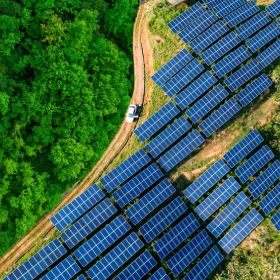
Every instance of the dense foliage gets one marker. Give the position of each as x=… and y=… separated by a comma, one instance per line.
x=65, y=81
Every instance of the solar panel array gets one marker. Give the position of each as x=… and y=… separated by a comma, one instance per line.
x=241, y=230
x=271, y=200
x=274, y=9
x=181, y=150
x=137, y=185
x=170, y=135
x=275, y=220
x=227, y=7
x=157, y=224
x=165, y=245
x=269, y=54
x=172, y=67
x=160, y=274
x=148, y=203
x=229, y=214
x=125, y=170
x=157, y=120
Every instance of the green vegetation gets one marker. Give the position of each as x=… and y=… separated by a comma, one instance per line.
x=65, y=83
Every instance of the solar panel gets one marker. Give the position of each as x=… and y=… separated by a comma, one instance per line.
x=271, y=200
x=242, y=14
x=212, y=3
x=274, y=9
x=270, y=54
x=206, y=265
x=243, y=75
x=206, y=181
x=88, y=223
x=252, y=91
x=185, y=76
x=195, y=90
x=207, y=103
x=186, y=17
x=45, y=257
x=166, y=138
x=220, y=48
x=275, y=220
x=64, y=270
x=160, y=274
x=157, y=121
x=102, y=240
x=125, y=170
x=137, y=185
x=172, y=67
x=278, y=21
x=181, y=150
x=243, y=148
x=138, y=268
x=104, y=268
x=229, y=214
x=231, y=61
x=151, y=229
x=252, y=25
x=219, y=117
x=241, y=230
x=150, y=201
x=197, y=26
x=265, y=180
x=227, y=7
x=263, y=37
x=217, y=198
x=176, y=236
x=81, y=277
x=77, y=207
x=209, y=36
x=189, y=253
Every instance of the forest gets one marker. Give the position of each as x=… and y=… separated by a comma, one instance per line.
x=65, y=83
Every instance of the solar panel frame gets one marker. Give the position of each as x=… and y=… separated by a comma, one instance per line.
x=271, y=200
x=160, y=274
x=228, y=6
x=270, y=54
x=275, y=220
x=274, y=9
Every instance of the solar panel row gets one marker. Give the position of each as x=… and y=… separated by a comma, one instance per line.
x=275, y=220
x=270, y=54
x=227, y=7
x=271, y=200
x=274, y=9
x=160, y=274
x=212, y=3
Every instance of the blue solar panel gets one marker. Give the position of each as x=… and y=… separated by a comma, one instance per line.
x=116, y=258
x=46, y=256
x=77, y=207
x=189, y=253
x=252, y=91
x=157, y=121
x=181, y=150
x=274, y=9
x=227, y=7
x=278, y=21
x=151, y=229
x=197, y=26
x=242, y=14
x=220, y=48
x=160, y=274
x=195, y=90
x=243, y=75
x=176, y=236
x=206, y=265
x=138, y=268
x=217, y=198
x=137, y=185
x=125, y=170
x=252, y=25
x=81, y=277
x=231, y=61
x=209, y=36
x=207, y=103
x=219, y=117
x=166, y=138
x=206, y=181
x=242, y=229
x=265, y=180
x=185, y=76
x=229, y=214
x=270, y=54
x=275, y=220
x=150, y=201
x=263, y=37
x=88, y=223
x=64, y=270
x=212, y=3
x=271, y=200
x=102, y=240
x=243, y=148
x=172, y=67
x=186, y=17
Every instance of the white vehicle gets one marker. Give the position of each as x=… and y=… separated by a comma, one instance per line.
x=131, y=114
